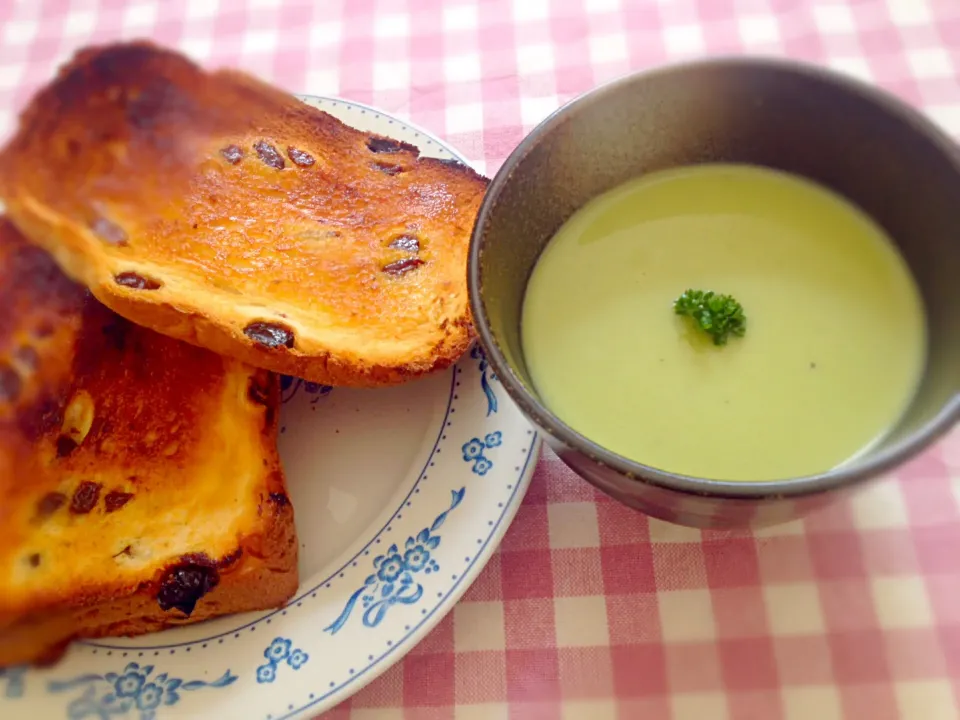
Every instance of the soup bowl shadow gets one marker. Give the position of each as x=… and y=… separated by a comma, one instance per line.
x=864, y=144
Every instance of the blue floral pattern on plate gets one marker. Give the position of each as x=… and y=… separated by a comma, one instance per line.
x=280, y=651
x=487, y=376
x=13, y=679
x=136, y=689
x=291, y=386
x=474, y=451
x=394, y=580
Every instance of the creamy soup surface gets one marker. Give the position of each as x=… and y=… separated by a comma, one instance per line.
x=835, y=334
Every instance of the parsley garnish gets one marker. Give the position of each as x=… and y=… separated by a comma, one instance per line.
x=717, y=315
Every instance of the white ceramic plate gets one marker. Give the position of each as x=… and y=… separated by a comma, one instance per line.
x=401, y=495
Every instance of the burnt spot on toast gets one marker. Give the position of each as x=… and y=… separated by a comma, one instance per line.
x=160, y=102
x=10, y=384
x=401, y=267
x=85, y=497
x=50, y=503
x=300, y=157
x=378, y=144
x=451, y=162
x=184, y=584
x=135, y=281
x=109, y=231
x=42, y=418
x=102, y=67
x=279, y=499
x=269, y=155
x=387, y=168
x=230, y=559
x=116, y=332
x=407, y=243
x=116, y=499
x=269, y=334
x=232, y=154
x=65, y=446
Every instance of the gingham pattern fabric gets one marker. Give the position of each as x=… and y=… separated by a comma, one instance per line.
x=590, y=610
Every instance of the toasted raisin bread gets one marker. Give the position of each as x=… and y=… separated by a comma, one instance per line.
x=218, y=210
x=140, y=485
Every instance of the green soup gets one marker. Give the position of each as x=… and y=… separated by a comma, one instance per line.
x=835, y=338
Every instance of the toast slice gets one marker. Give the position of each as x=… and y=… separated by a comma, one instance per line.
x=216, y=209
x=140, y=485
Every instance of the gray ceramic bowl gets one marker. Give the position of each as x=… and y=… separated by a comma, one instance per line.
x=864, y=144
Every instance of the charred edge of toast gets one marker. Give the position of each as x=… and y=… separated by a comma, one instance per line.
x=116, y=71
x=108, y=69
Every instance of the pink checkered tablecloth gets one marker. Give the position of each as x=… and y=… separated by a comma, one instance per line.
x=589, y=610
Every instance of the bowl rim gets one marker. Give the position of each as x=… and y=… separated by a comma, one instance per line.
x=839, y=477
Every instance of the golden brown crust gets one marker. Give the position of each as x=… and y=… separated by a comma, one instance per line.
x=132, y=467
x=218, y=210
